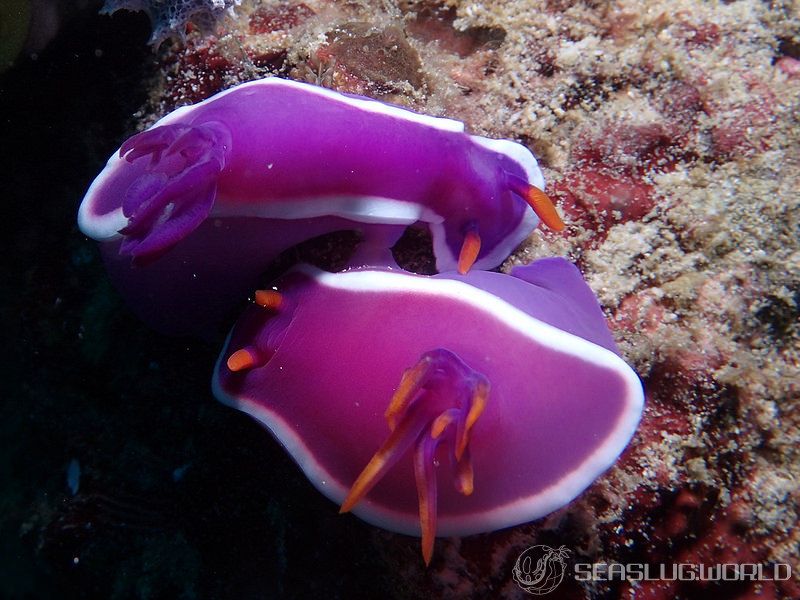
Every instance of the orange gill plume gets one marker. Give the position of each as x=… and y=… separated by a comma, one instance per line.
x=438, y=399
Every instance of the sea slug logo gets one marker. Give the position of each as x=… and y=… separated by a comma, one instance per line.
x=540, y=569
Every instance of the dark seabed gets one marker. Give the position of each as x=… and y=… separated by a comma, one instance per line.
x=177, y=496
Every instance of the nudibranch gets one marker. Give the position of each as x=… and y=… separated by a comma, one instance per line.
x=274, y=162
x=383, y=384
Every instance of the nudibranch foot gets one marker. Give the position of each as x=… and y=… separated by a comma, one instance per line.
x=421, y=413
x=175, y=169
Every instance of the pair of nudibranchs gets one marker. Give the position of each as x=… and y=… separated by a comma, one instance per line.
x=377, y=381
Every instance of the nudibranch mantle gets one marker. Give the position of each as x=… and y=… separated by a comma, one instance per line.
x=280, y=149
x=302, y=161
x=323, y=362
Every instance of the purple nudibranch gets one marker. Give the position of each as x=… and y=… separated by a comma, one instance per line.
x=198, y=205
x=506, y=395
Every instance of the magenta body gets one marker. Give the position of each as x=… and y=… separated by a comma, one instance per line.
x=562, y=404
x=279, y=151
